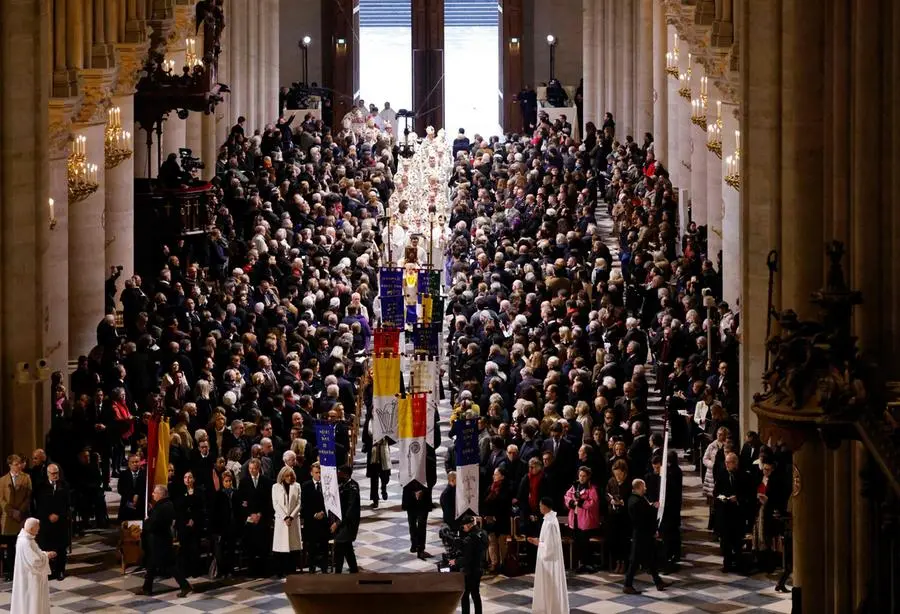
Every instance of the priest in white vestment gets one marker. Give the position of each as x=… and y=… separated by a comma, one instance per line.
x=31, y=588
x=550, y=593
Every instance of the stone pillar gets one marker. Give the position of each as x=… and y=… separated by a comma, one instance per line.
x=599, y=93
x=251, y=50
x=714, y=202
x=760, y=185
x=673, y=151
x=263, y=68
x=626, y=52
x=809, y=524
x=802, y=168
x=731, y=221
x=685, y=139
x=237, y=59
x=840, y=528
x=589, y=55
x=612, y=66
x=118, y=218
x=660, y=85
x=273, y=38
x=209, y=145
x=175, y=129
x=87, y=253
x=24, y=181
x=193, y=137
x=861, y=536
x=142, y=159
x=644, y=73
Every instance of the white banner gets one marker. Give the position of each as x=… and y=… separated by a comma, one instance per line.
x=330, y=490
x=466, y=490
x=662, y=475
x=426, y=378
x=384, y=418
x=412, y=460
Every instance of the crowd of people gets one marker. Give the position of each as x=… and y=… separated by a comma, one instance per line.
x=244, y=343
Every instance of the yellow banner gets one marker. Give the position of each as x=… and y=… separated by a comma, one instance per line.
x=426, y=309
x=404, y=418
x=161, y=476
x=386, y=376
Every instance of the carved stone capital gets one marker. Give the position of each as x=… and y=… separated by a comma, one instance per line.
x=96, y=86
x=183, y=26
x=130, y=58
x=62, y=113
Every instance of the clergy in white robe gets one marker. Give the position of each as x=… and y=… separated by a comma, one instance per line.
x=31, y=588
x=550, y=593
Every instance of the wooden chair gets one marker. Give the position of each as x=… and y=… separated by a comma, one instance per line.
x=3, y=548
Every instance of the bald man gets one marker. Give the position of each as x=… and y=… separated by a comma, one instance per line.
x=52, y=503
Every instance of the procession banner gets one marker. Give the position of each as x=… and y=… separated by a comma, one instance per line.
x=385, y=393
x=425, y=379
x=386, y=341
x=411, y=428
x=157, y=470
x=434, y=282
x=328, y=464
x=392, y=313
x=437, y=311
x=662, y=474
x=424, y=281
x=427, y=305
x=426, y=340
x=467, y=458
x=390, y=281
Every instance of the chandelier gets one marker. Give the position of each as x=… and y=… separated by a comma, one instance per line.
x=684, y=80
x=733, y=164
x=698, y=106
x=672, y=60
x=81, y=176
x=117, y=147
x=714, y=132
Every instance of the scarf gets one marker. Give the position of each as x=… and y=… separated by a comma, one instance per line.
x=534, y=495
x=495, y=490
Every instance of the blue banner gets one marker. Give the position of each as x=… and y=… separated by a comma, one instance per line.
x=467, y=452
x=392, y=311
x=325, y=443
x=424, y=281
x=426, y=339
x=390, y=281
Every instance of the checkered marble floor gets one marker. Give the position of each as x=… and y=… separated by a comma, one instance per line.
x=95, y=583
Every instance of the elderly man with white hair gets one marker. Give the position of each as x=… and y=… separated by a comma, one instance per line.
x=31, y=587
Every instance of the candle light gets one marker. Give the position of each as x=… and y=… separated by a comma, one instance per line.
x=52, y=208
x=737, y=140
x=718, y=111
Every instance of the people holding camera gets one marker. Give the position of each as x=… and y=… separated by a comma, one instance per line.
x=583, y=502
x=474, y=541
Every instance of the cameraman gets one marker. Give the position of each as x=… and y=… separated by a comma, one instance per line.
x=474, y=542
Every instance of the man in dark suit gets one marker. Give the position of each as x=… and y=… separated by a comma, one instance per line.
x=460, y=143
x=52, y=503
x=643, y=538
x=346, y=529
x=416, y=502
x=255, y=494
x=132, y=487
x=730, y=495
x=639, y=450
x=721, y=385
x=157, y=540
x=315, y=521
x=564, y=454
x=202, y=465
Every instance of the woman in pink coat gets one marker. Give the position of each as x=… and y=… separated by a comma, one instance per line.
x=583, y=502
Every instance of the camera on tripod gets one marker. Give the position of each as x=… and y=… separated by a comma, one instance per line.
x=453, y=549
x=189, y=163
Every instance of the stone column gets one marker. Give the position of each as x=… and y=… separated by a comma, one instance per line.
x=273, y=38
x=589, y=55
x=760, y=185
x=802, y=168
x=193, y=137
x=209, y=145
x=237, y=62
x=731, y=219
x=673, y=151
x=599, y=93
x=87, y=253
x=646, y=59
x=264, y=77
x=251, y=50
x=840, y=529
x=698, y=156
x=626, y=53
x=24, y=95
x=613, y=67
x=809, y=524
x=118, y=219
x=685, y=139
x=223, y=109
x=175, y=129
x=660, y=85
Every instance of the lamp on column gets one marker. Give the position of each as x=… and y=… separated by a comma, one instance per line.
x=551, y=42
x=714, y=132
x=117, y=147
x=684, y=79
x=698, y=106
x=51, y=209
x=672, y=60
x=80, y=175
x=304, y=51
x=733, y=164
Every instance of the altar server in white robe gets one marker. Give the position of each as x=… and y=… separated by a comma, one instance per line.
x=31, y=588
x=550, y=593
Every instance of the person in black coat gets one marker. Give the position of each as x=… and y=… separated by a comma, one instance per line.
x=346, y=529
x=52, y=501
x=564, y=454
x=730, y=496
x=470, y=562
x=315, y=521
x=448, y=502
x=225, y=525
x=533, y=487
x=496, y=510
x=642, y=515
x=416, y=502
x=256, y=517
x=670, y=527
x=157, y=542
x=132, y=487
x=203, y=463
x=190, y=514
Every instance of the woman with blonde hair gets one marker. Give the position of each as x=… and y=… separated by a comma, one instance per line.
x=286, y=502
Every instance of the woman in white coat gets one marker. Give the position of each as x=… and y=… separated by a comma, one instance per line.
x=286, y=501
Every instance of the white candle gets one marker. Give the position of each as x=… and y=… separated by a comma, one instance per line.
x=737, y=140
x=52, y=208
